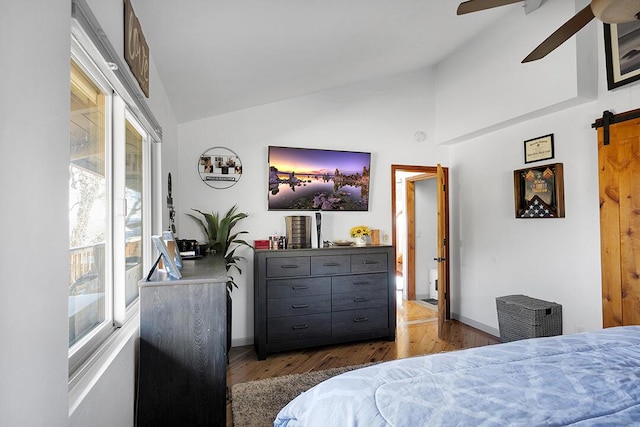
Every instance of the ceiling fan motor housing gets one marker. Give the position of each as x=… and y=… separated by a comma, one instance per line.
x=615, y=11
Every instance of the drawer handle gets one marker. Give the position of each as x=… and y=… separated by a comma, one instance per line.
x=288, y=266
x=298, y=287
x=360, y=299
x=360, y=283
x=360, y=319
x=370, y=262
x=331, y=264
x=300, y=306
x=300, y=327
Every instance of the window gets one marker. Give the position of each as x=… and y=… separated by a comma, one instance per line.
x=133, y=211
x=89, y=205
x=132, y=223
x=109, y=219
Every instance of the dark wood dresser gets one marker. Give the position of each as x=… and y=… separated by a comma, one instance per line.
x=183, y=365
x=311, y=297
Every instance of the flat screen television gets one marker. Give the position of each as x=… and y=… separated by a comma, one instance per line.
x=313, y=179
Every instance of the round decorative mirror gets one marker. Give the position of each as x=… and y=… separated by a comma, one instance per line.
x=219, y=167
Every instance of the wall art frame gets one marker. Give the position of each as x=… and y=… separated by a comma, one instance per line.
x=539, y=191
x=318, y=179
x=219, y=167
x=621, y=46
x=538, y=149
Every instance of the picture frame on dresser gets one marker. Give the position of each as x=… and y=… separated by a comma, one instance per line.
x=172, y=247
x=167, y=260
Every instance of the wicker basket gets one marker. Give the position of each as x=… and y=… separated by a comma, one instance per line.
x=521, y=317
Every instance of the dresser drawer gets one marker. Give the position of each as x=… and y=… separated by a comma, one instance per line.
x=359, y=282
x=354, y=321
x=290, y=266
x=330, y=264
x=298, y=327
x=286, y=288
x=309, y=297
x=357, y=300
x=297, y=306
x=362, y=263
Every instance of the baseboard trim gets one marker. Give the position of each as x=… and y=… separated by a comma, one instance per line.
x=240, y=342
x=480, y=326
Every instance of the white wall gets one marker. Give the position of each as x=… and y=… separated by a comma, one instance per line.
x=110, y=402
x=426, y=205
x=551, y=259
x=380, y=116
x=494, y=254
x=486, y=105
x=34, y=173
x=498, y=90
x=34, y=161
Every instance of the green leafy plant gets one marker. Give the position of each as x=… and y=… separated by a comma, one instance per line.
x=222, y=239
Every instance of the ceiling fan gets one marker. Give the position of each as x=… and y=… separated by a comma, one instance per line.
x=607, y=11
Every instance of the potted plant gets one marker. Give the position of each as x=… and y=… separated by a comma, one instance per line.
x=223, y=240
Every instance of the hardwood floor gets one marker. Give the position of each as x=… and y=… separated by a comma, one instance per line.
x=416, y=334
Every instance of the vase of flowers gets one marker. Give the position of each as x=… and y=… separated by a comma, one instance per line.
x=360, y=234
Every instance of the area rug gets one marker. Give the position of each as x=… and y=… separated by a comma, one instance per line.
x=256, y=403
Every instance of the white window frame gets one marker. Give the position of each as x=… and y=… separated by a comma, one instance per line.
x=81, y=350
x=90, y=48
x=122, y=114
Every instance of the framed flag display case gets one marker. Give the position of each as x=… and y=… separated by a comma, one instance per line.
x=539, y=191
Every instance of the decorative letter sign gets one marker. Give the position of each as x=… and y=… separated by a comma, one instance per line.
x=136, y=50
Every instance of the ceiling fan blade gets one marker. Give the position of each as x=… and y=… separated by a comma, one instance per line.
x=477, y=5
x=561, y=35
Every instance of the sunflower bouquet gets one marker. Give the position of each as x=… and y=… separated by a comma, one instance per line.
x=360, y=231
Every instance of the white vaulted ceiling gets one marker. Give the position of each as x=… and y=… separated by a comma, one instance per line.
x=217, y=56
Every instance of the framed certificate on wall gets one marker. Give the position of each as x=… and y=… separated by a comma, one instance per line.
x=537, y=149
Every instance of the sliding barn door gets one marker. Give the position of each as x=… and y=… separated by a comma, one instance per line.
x=619, y=189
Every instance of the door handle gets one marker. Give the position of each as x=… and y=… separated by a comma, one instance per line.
x=439, y=259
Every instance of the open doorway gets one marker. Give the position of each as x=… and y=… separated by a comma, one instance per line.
x=420, y=232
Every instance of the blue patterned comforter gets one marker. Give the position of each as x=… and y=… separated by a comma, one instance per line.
x=584, y=379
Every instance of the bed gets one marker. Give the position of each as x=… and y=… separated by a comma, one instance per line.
x=585, y=379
